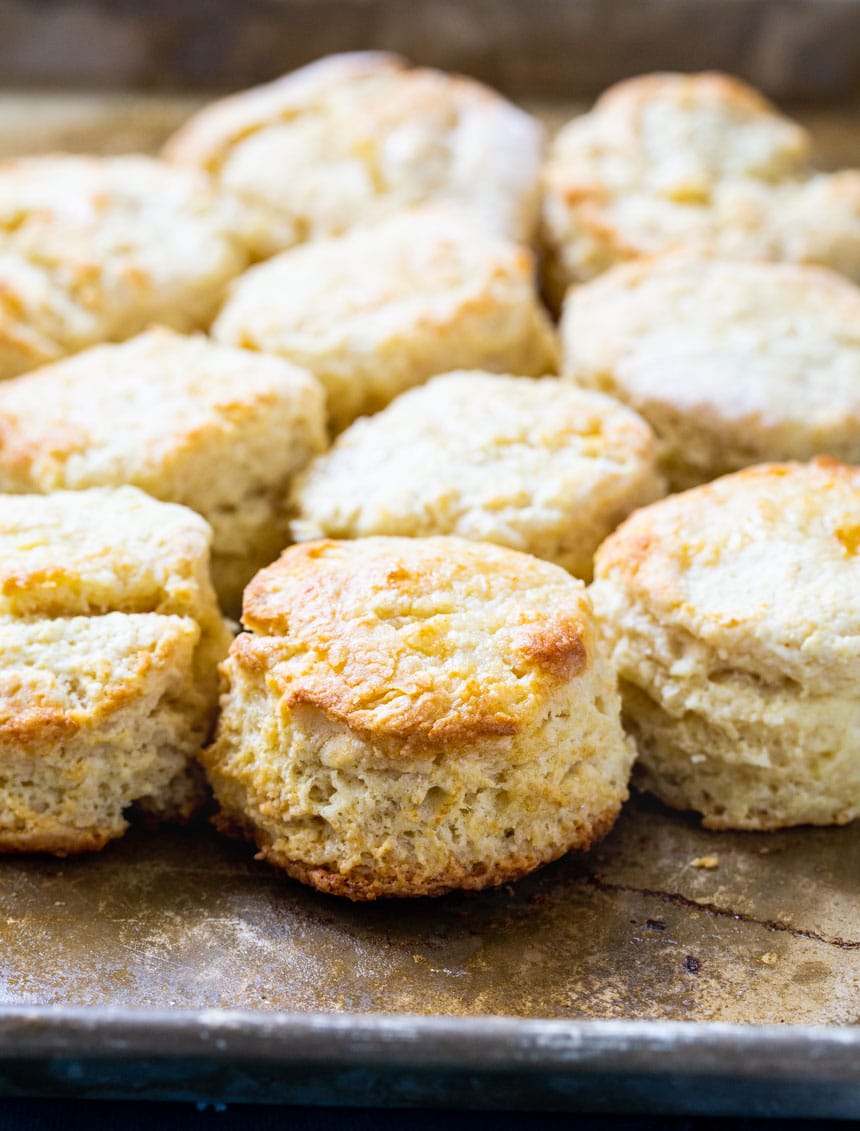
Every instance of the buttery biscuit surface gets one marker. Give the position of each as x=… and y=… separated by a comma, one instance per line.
x=731, y=363
x=355, y=137
x=387, y=306
x=534, y=465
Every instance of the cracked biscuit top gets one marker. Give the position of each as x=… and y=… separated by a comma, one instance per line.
x=432, y=639
x=96, y=248
x=355, y=137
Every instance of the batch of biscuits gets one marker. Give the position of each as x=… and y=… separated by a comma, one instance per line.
x=390, y=481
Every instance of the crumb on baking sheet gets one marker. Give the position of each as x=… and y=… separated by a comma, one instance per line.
x=705, y=862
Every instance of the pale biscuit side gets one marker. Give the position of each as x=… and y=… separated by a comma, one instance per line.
x=744, y=750
x=110, y=636
x=354, y=819
x=732, y=617
x=97, y=714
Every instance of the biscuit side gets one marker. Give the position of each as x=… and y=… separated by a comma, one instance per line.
x=347, y=812
x=97, y=715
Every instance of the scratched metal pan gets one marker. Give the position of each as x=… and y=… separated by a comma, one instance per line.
x=177, y=966
x=634, y=978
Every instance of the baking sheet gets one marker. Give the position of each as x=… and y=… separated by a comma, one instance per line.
x=635, y=929
x=176, y=966
x=221, y=979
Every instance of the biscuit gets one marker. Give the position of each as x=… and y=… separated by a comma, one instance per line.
x=187, y=420
x=382, y=309
x=96, y=248
x=701, y=163
x=733, y=616
x=410, y=716
x=109, y=641
x=353, y=138
x=534, y=465
x=731, y=363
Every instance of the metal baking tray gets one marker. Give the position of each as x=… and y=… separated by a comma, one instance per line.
x=173, y=965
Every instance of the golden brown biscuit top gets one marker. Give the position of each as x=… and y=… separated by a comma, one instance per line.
x=65, y=673
x=435, y=638
x=763, y=566
x=133, y=413
x=104, y=550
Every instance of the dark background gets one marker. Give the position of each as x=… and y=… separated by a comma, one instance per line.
x=793, y=49
x=42, y=1115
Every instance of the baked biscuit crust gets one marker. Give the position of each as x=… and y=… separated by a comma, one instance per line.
x=382, y=309
x=533, y=465
x=325, y=619
x=109, y=640
x=733, y=616
x=95, y=249
x=217, y=429
x=700, y=163
x=96, y=713
x=408, y=716
x=361, y=887
x=731, y=363
x=355, y=137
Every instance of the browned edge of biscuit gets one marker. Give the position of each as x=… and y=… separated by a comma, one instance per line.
x=360, y=889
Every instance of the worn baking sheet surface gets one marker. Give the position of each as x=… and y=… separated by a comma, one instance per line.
x=634, y=929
